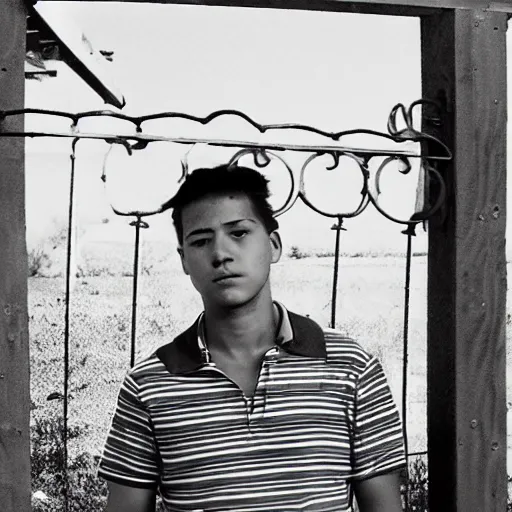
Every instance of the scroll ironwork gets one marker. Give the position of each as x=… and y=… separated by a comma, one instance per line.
x=263, y=154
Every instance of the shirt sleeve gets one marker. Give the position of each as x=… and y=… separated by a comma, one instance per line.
x=378, y=445
x=130, y=456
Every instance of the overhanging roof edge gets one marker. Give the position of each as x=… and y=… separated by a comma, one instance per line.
x=82, y=61
x=394, y=7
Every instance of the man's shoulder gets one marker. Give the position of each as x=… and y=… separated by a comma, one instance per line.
x=338, y=348
x=148, y=366
x=342, y=349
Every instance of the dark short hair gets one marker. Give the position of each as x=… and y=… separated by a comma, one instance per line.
x=221, y=180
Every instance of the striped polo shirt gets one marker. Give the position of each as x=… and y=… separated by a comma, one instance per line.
x=321, y=416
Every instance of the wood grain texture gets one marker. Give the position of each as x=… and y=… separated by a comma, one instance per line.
x=304, y=5
x=464, y=66
x=386, y=7
x=14, y=346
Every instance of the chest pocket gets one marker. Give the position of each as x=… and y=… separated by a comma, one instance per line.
x=312, y=416
x=310, y=392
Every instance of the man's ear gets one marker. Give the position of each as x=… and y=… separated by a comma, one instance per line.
x=183, y=263
x=276, y=246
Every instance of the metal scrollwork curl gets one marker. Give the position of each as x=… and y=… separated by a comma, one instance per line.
x=409, y=133
x=130, y=151
x=400, y=129
x=416, y=217
x=362, y=164
x=263, y=158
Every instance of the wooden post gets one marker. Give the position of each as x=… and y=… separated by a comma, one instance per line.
x=464, y=67
x=14, y=349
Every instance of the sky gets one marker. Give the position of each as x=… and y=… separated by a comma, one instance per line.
x=331, y=70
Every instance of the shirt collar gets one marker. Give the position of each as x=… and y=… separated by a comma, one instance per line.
x=296, y=334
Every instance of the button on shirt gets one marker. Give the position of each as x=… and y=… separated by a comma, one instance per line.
x=321, y=415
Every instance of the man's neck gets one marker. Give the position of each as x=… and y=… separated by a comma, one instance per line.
x=248, y=330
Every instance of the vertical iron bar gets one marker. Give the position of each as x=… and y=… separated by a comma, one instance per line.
x=410, y=232
x=66, y=324
x=337, y=227
x=137, y=224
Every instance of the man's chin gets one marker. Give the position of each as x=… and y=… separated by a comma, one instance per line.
x=229, y=303
x=233, y=299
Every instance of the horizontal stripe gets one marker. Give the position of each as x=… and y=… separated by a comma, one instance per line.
x=313, y=425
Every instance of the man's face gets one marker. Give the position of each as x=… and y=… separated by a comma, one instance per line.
x=226, y=250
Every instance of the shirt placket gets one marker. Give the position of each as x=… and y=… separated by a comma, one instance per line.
x=256, y=404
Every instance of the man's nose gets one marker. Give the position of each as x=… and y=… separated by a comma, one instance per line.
x=220, y=251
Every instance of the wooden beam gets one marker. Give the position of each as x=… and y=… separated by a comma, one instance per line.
x=78, y=53
x=385, y=7
x=14, y=343
x=354, y=7
x=464, y=67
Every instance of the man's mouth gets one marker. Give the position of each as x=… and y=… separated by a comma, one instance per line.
x=225, y=277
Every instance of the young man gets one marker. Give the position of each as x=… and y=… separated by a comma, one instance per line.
x=253, y=408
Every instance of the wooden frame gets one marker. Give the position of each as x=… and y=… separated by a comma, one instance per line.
x=387, y=7
x=14, y=354
x=464, y=67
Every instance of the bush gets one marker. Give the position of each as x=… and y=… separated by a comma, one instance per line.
x=418, y=485
x=325, y=254
x=38, y=261
x=87, y=492
x=45, y=254
x=296, y=253
x=509, y=496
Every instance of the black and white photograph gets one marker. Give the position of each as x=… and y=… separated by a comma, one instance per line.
x=253, y=256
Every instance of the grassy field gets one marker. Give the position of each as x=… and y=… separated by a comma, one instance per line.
x=370, y=309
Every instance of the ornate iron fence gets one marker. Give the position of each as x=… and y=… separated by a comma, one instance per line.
x=400, y=131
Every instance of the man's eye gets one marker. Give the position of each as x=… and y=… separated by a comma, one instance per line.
x=200, y=242
x=239, y=233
